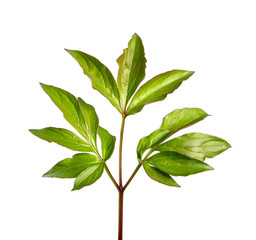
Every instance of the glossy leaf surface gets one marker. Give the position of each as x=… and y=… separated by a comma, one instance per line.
x=172, y=123
x=101, y=77
x=177, y=165
x=71, y=167
x=89, y=176
x=62, y=137
x=68, y=104
x=132, y=64
x=159, y=176
x=196, y=145
x=151, y=140
x=91, y=119
x=182, y=118
x=157, y=89
x=107, y=143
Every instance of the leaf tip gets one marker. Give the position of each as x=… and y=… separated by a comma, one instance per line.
x=227, y=144
x=79, y=100
x=45, y=175
x=68, y=50
x=210, y=168
x=188, y=73
x=135, y=35
x=43, y=85
x=75, y=188
x=33, y=131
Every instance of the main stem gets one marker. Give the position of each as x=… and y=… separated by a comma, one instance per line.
x=120, y=215
x=121, y=190
x=120, y=151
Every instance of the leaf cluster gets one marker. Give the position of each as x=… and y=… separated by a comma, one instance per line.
x=180, y=156
x=86, y=167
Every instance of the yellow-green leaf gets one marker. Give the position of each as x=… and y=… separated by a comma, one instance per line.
x=71, y=167
x=182, y=118
x=69, y=106
x=102, y=79
x=132, y=64
x=196, y=145
x=176, y=164
x=159, y=176
x=157, y=89
x=62, y=137
x=107, y=143
x=89, y=176
x=91, y=119
x=151, y=140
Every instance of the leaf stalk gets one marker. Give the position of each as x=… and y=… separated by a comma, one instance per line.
x=132, y=176
x=111, y=177
x=137, y=169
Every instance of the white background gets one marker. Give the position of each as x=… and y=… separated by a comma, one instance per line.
x=216, y=39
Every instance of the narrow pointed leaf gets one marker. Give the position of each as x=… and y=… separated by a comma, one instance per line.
x=69, y=106
x=91, y=120
x=159, y=176
x=71, y=167
x=89, y=176
x=62, y=137
x=157, y=89
x=196, y=145
x=177, y=165
x=132, y=64
x=107, y=143
x=151, y=140
x=182, y=118
x=101, y=77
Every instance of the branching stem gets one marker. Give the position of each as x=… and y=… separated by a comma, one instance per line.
x=121, y=189
x=136, y=170
x=132, y=176
x=105, y=166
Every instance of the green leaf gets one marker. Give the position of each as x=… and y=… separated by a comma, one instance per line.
x=173, y=122
x=107, y=143
x=182, y=118
x=151, y=140
x=89, y=176
x=68, y=104
x=157, y=89
x=91, y=120
x=159, y=176
x=132, y=64
x=177, y=165
x=71, y=167
x=101, y=77
x=196, y=145
x=62, y=137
